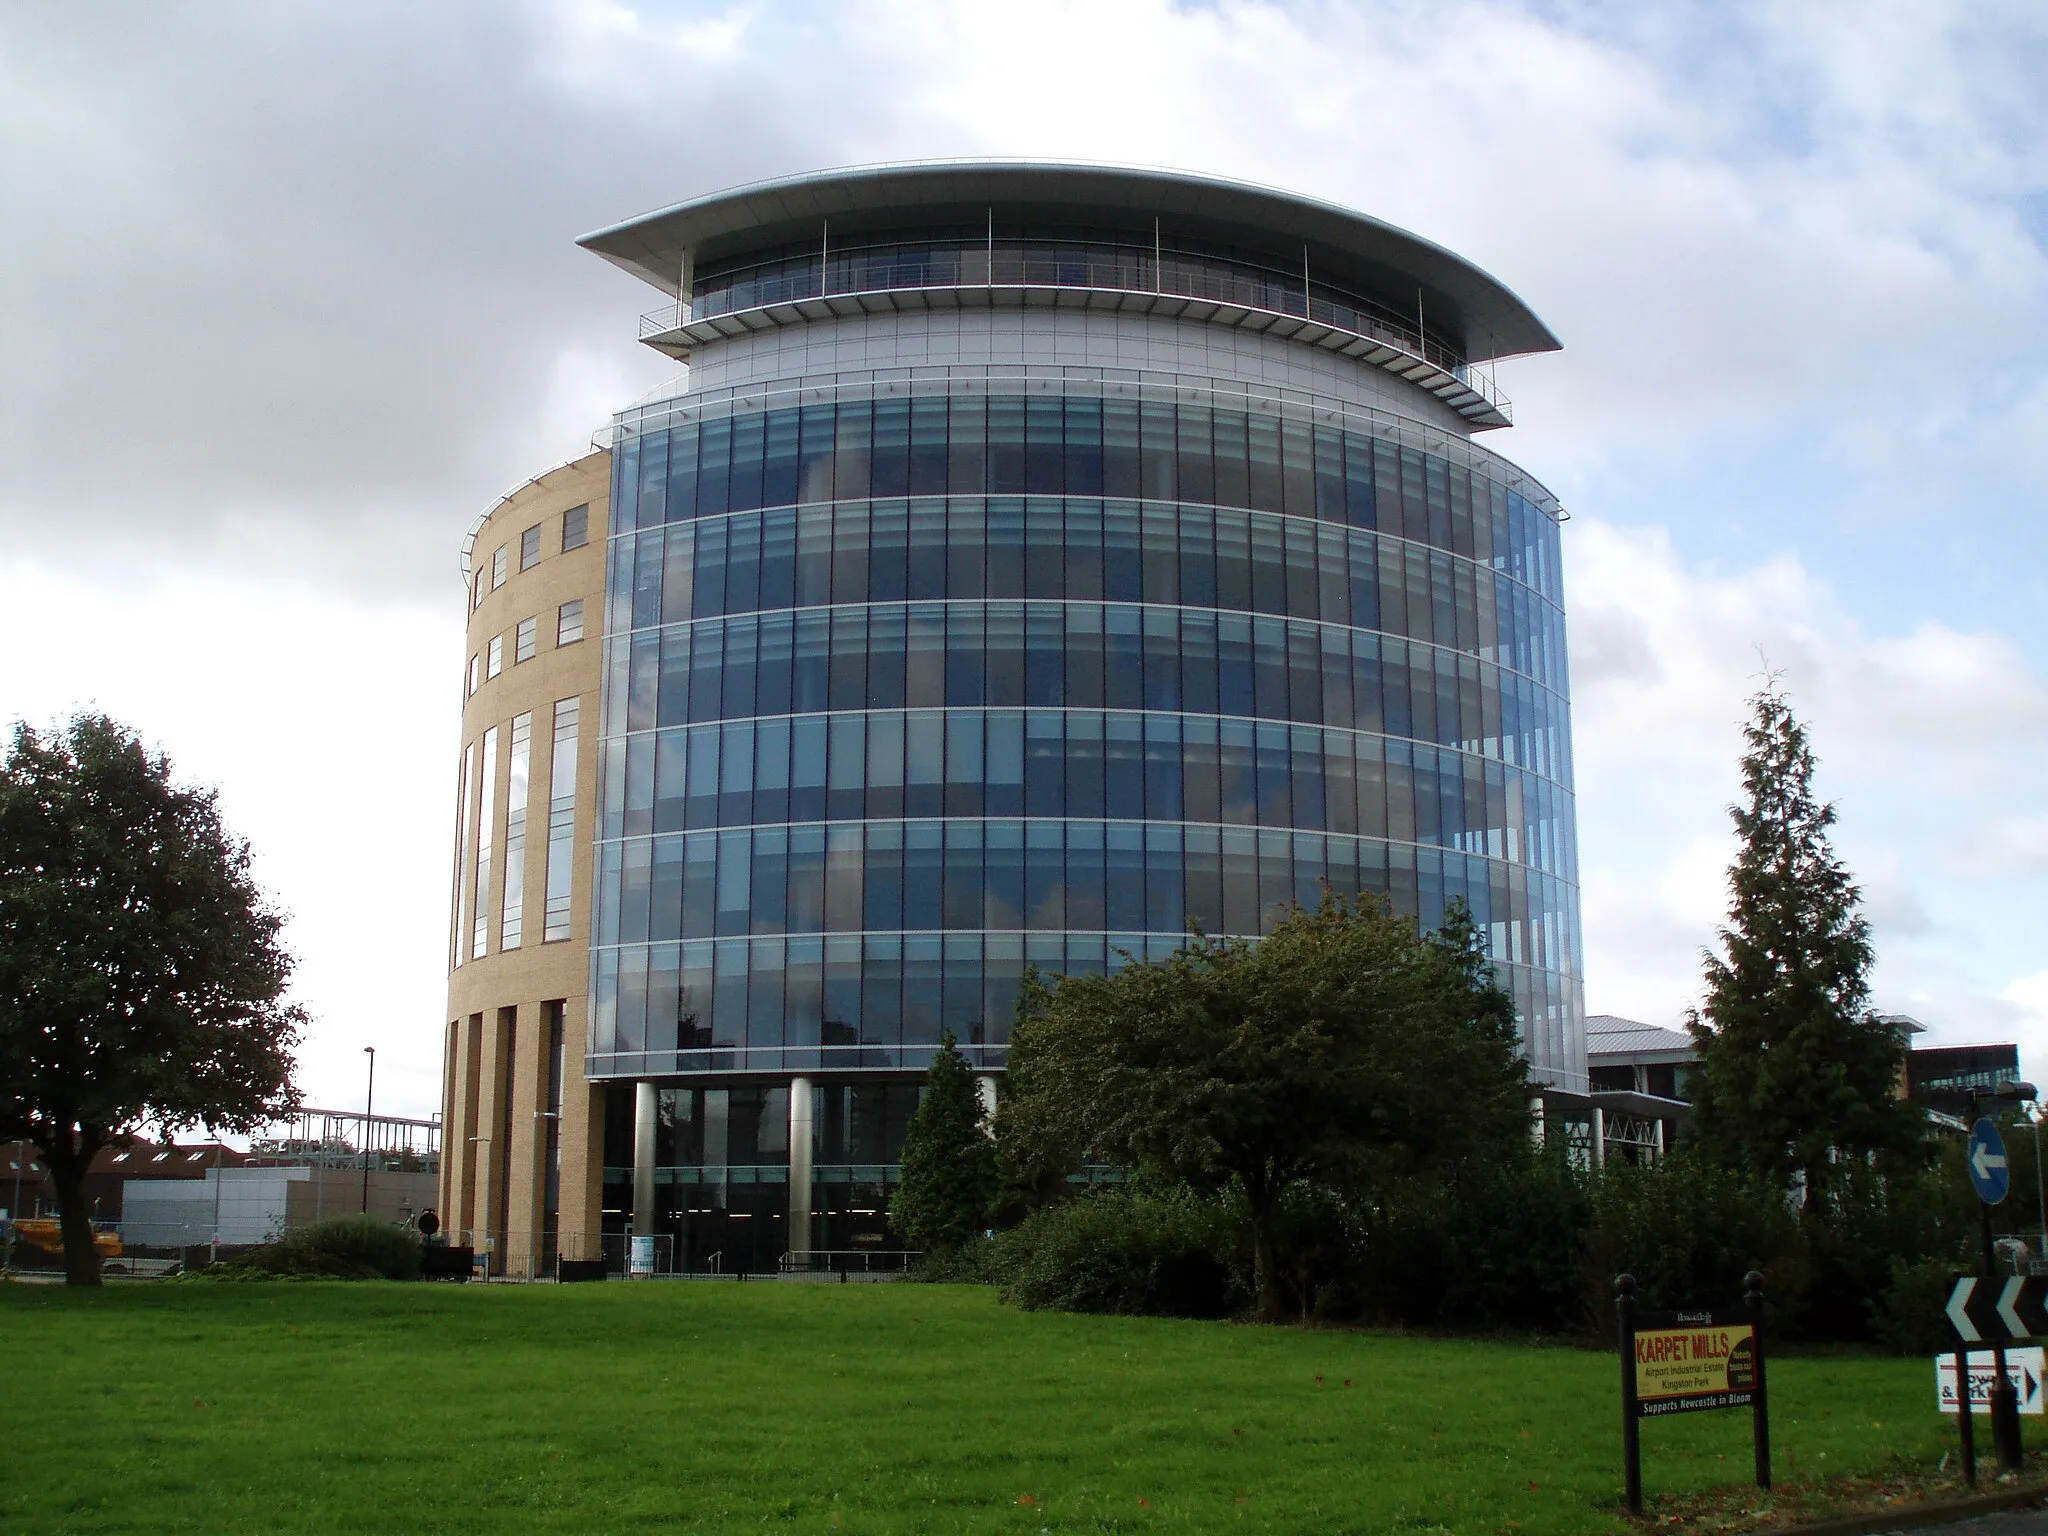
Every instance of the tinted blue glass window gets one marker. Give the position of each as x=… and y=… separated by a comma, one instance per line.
x=923, y=688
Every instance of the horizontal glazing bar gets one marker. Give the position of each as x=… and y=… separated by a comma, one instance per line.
x=880, y=1002
x=1034, y=765
x=1393, y=431
x=1050, y=876
x=1052, y=445
x=1048, y=549
x=1076, y=656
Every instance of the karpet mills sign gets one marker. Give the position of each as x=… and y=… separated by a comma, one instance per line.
x=1686, y=1362
x=1694, y=1360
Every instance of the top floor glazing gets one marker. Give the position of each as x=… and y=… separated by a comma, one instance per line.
x=1057, y=258
x=964, y=236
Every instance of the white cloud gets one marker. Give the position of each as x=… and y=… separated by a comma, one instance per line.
x=329, y=728
x=301, y=299
x=1926, y=742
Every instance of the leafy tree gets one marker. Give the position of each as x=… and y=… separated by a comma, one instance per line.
x=1035, y=1151
x=141, y=977
x=949, y=1163
x=1795, y=1072
x=1341, y=1047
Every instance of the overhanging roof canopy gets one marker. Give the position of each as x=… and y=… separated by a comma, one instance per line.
x=1341, y=246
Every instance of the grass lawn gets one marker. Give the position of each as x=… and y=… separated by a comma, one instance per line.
x=891, y=1408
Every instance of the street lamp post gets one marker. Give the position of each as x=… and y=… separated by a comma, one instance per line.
x=369, y=1100
x=2034, y=1114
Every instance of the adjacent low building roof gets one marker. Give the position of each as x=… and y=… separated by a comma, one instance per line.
x=1609, y=1037
x=1457, y=296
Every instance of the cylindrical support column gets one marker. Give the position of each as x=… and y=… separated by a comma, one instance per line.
x=802, y=1108
x=1599, y=1137
x=986, y=1085
x=646, y=1107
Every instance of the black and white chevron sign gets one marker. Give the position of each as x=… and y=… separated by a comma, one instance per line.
x=1992, y=1311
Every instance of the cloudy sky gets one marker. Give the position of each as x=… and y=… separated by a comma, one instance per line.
x=289, y=295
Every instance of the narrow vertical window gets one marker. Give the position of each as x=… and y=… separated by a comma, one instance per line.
x=486, y=816
x=477, y=600
x=523, y=643
x=569, y=622
x=529, y=548
x=561, y=819
x=575, y=528
x=517, y=761
x=476, y=672
x=501, y=566
x=554, y=1014
x=494, y=657
x=461, y=855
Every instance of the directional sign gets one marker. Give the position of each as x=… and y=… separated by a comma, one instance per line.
x=2024, y=1368
x=1989, y=1175
x=2005, y=1307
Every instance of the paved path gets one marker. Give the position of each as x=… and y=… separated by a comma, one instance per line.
x=2017, y=1522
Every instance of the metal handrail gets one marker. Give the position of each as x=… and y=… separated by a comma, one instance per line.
x=794, y=1263
x=1339, y=317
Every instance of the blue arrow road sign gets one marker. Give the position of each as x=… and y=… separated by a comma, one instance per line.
x=1989, y=1174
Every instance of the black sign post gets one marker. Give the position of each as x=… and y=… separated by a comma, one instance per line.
x=1966, y=1416
x=2005, y=1403
x=1631, y=1430
x=1990, y=1313
x=1685, y=1362
x=1760, y=1409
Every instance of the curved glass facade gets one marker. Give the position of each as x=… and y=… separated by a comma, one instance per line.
x=908, y=691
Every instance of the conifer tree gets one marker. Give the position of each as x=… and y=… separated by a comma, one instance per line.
x=949, y=1160
x=1795, y=1072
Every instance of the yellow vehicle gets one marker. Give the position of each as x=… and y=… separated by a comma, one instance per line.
x=47, y=1233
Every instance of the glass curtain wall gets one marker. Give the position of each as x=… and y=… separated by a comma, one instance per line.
x=905, y=694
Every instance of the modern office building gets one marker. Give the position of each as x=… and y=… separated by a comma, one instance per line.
x=1036, y=560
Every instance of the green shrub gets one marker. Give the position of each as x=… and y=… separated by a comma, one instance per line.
x=1497, y=1246
x=1123, y=1250
x=1910, y=1317
x=1689, y=1232
x=345, y=1248
x=973, y=1263
x=1879, y=1218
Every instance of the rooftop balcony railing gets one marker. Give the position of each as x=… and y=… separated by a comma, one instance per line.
x=1093, y=272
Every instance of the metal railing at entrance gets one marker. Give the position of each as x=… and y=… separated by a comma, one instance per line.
x=833, y=1263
